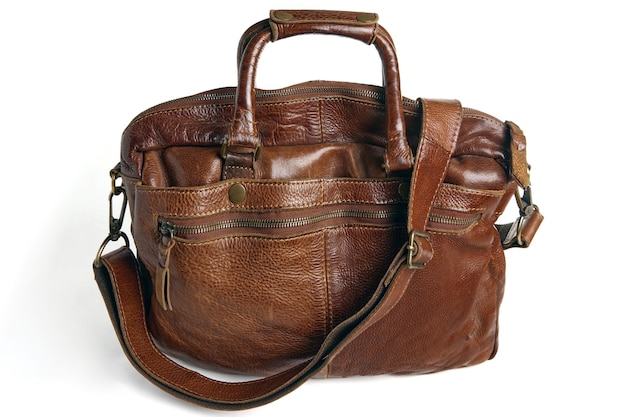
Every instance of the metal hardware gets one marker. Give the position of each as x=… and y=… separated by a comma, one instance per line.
x=367, y=17
x=526, y=209
x=282, y=15
x=237, y=193
x=115, y=224
x=414, y=248
x=404, y=190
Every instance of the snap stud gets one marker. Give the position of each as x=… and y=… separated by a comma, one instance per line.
x=404, y=190
x=237, y=193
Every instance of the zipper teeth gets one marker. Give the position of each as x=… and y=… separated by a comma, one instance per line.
x=168, y=228
x=273, y=93
x=274, y=223
x=453, y=221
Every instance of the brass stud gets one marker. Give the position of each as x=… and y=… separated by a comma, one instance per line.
x=404, y=189
x=282, y=15
x=237, y=193
x=367, y=17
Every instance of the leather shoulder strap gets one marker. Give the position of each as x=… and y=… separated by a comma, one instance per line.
x=441, y=122
x=119, y=280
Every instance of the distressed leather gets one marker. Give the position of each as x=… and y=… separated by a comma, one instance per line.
x=266, y=221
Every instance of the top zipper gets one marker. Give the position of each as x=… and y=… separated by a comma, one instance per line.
x=209, y=97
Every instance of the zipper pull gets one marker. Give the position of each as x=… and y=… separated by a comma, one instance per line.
x=162, y=275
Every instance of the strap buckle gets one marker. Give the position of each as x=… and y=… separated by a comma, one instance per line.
x=419, y=250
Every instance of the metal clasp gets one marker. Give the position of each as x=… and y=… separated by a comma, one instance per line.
x=520, y=233
x=115, y=224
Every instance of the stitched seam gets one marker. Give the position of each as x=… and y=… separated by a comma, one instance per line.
x=298, y=206
x=488, y=194
x=466, y=190
x=266, y=184
x=328, y=307
x=484, y=118
x=445, y=168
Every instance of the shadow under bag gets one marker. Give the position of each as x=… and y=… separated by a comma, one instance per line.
x=327, y=229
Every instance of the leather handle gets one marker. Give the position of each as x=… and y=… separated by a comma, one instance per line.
x=242, y=146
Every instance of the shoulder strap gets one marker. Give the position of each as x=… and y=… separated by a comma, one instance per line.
x=441, y=122
x=119, y=280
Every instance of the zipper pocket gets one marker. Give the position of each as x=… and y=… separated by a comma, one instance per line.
x=172, y=230
x=186, y=229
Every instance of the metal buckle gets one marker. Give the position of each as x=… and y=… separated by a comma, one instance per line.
x=413, y=249
x=115, y=224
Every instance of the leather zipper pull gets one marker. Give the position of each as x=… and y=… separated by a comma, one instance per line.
x=162, y=275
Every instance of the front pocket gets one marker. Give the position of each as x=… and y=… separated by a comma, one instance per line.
x=262, y=303
x=244, y=303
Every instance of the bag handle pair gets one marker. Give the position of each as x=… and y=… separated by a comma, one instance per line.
x=243, y=144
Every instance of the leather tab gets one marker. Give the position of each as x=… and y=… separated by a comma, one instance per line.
x=519, y=165
x=521, y=232
x=420, y=250
x=162, y=274
x=356, y=25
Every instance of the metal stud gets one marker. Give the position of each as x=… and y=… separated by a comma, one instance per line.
x=281, y=15
x=404, y=189
x=237, y=193
x=367, y=18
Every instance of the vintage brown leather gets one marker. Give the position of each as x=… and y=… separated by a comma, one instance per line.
x=288, y=233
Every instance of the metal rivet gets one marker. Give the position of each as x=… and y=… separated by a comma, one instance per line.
x=366, y=17
x=237, y=193
x=403, y=189
x=281, y=15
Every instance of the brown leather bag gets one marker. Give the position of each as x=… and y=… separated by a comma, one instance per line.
x=323, y=229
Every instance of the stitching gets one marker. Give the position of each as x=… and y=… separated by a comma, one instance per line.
x=329, y=308
x=449, y=154
x=452, y=187
x=476, y=191
x=484, y=118
x=265, y=183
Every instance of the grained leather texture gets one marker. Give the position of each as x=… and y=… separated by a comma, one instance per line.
x=266, y=218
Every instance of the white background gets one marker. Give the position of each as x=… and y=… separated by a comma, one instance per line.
x=73, y=74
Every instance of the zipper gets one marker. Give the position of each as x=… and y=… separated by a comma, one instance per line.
x=168, y=228
x=209, y=97
x=453, y=220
